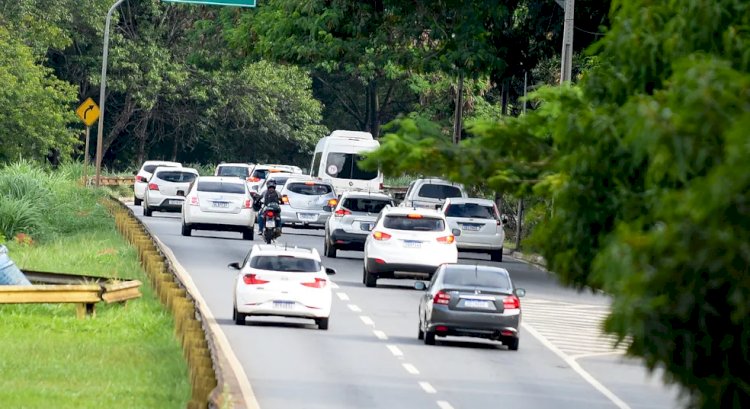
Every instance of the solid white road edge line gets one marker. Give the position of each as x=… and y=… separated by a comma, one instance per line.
x=411, y=369
x=354, y=308
x=394, y=350
x=427, y=387
x=576, y=367
x=248, y=395
x=444, y=405
x=367, y=320
x=343, y=296
x=380, y=334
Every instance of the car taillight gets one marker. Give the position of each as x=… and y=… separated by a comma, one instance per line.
x=333, y=202
x=382, y=186
x=153, y=186
x=285, y=199
x=248, y=203
x=414, y=216
x=140, y=178
x=253, y=179
x=511, y=302
x=341, y=213
x=252, y=279
x=318, y=283
x=441, y=297
x=446, y=239
x=379, y=235
x=194, y=201
x=269, y=213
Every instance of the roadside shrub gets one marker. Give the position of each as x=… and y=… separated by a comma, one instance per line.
x=16, y=216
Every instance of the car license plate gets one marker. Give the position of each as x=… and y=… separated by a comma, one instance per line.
x=175, y=202
x=469, y=227
x=283, y=305
x=221, y=205
x=271, y=223
x=307, y=217
x=483, y=304
x=412, y=244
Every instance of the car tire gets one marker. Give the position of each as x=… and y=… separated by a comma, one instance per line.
x=512, y=344
x=370, y=280
x=239, y=318
x=248, y=234
x=137, y=201
x=497, y=255
x=420, y=334
x=331, y=250
x=322, y=323
x=186, y=230
x=429, y=338
x=146, y=211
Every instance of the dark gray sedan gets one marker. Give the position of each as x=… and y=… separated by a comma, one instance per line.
x=470, y=301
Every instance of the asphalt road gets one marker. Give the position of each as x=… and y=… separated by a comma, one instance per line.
x=371, y=358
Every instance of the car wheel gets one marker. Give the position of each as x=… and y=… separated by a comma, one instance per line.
x=186, y=230
x=512, y=344
x=137, y=201
x=322, y=323
x=420, y=334
x=497, y=255
x=331, y=250
x=239, y=318
x=248, y=234
x=429, y=338
x=370, y=280
x=146, y=211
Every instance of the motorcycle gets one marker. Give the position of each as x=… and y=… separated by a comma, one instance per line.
x=272, y=220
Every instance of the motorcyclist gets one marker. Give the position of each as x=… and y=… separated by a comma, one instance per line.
x=269, y=198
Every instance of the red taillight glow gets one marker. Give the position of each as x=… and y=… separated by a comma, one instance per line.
x=511, y=302
x=382, y=186
x=269, y=213
x=248, y=203
x=441, y=297
x=446, y=239
x=341, y=213
x=194, y=201
x=252, y=279
x=318, y=283
x=253, y=179
x=140, y=179
x=153, y=186
x=379, y=235
x=285, y=199
x=441, y=328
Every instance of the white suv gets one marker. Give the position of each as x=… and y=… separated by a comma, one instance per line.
x=408, y=240
x=431, y=193
x=167, y=189
x=220, y=204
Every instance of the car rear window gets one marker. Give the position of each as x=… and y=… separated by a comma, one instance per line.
x=346, y=166
x=233, y=171
x=476, y=278
x=260, y=173
x=309, y=189
x=280, y=182
x=398, y=222
x=366, y=205
x=289, y=264
x=434, y=191
x=151, y=168
x=470, y=210
x=176, y=176
x=221, y=187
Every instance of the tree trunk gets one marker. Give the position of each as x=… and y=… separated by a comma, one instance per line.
x=140, y=134
x=519, y=221
x=505, y=92
x=175, y=146
x=459, y=111
x=373, y=109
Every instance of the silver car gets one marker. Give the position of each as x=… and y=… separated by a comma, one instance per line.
x=306, y=203
x=470, y=301
x=480, y=223
x=352, y=219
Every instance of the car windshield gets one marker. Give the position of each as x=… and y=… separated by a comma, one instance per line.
x=151, y=168
x=176, y=176
x=475, y=277
x=221, y=187
x=413, y=223
x=346, y=166
x=470, y=210
x=233, y=171
x=260, y=173
x=284, y=263
x=434, y=191
x=365, y=205
x=309, y=188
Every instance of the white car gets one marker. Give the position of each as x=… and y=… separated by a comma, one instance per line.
x=261, y=172
x=144, y=174
x=238, y=170
x=431, y=193
x=411, y=240
x=276, y=280
x=480, y=224
x=167, y=188
x=352, y=219
x=279, y=178
x=221, y=204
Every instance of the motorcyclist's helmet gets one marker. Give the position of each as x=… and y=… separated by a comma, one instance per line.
x=271, y=184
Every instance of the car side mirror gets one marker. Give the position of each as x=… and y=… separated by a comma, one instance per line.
x=135, y=173
x=330, y=271
x=504, y=220
x=234, y=266
x=420, y=286
x=456, y=232
x=520, y=292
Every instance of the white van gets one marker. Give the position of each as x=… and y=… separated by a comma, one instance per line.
x=336, y=157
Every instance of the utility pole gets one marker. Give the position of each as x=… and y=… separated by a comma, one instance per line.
x=459, y=111
x=566, y=58
x=102, y=91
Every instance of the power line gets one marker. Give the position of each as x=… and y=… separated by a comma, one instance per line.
x=589, y=32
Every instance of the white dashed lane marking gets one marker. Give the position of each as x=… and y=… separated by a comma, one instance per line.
x=380, y=334
x=343, y=296
x=395, y=350
x=367, y=320
x=427, y=387
x=354, y=308
x=444, y=405
x=411, y=369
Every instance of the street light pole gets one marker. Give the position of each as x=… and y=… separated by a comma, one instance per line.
x=566, y=59
x=102, y=90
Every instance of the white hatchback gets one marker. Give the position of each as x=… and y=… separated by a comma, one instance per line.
x=144, y=174
x=167, y=188
x=221, y=204
x=415, y=240
x=275, y=280
x=480, y=223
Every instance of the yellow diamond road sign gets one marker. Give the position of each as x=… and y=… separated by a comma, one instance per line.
x=88, y=112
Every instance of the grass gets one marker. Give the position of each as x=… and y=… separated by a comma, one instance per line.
x=126, y=356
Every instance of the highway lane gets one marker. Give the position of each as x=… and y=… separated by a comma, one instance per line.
x=370, y=357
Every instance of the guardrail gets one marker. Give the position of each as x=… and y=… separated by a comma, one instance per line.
x=109, y=181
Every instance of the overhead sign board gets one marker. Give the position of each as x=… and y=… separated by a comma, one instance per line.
x=236, y=3
x=88, y=111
